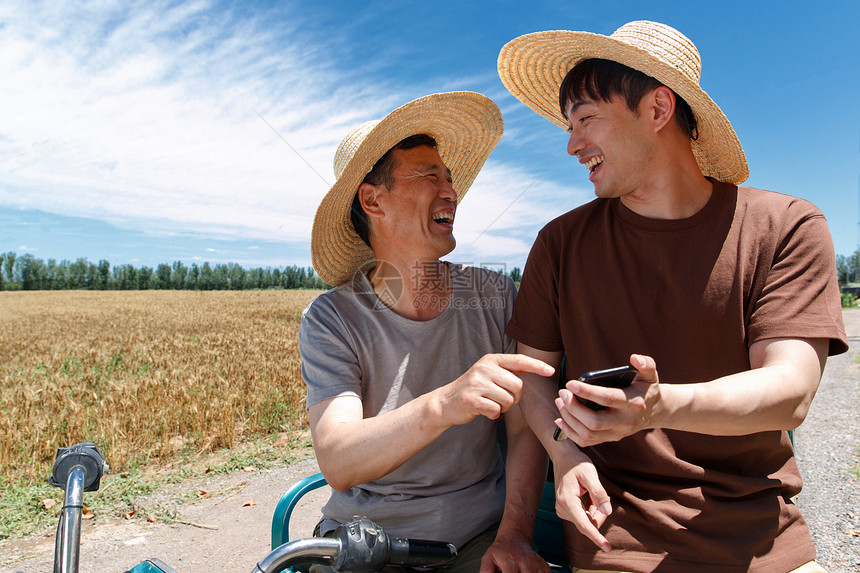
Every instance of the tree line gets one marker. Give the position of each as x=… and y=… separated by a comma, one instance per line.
x=848, y=268
x=26, y=272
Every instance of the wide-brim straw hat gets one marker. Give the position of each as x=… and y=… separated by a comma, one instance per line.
x=466, y=127
x=533, y=67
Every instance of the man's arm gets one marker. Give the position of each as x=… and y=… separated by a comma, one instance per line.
x=774, y=395
x=525, y=474
x=575, y=475
x=352, y=449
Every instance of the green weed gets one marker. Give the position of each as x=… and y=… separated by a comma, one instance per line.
x=33, y=508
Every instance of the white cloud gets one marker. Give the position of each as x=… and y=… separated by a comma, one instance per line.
x=188, y=118
x=146, y=116
x=502, y=212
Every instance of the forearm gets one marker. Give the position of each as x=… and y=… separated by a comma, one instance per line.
x=540, y=412
x=352, y=450
x=525, y=471
x=775, y=395
x=525, y=474
x=771, y=398
x=575, y=474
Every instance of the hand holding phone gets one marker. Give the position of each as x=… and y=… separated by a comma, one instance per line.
x=619, y=377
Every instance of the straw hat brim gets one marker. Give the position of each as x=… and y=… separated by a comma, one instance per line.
x=533, y=67
x=466, y=126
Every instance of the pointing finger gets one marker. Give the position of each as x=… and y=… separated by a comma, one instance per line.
x=519, y=363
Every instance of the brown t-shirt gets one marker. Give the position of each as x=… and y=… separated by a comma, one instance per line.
x=602, y=282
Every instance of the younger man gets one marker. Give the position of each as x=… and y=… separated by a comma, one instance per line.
x=730, y=291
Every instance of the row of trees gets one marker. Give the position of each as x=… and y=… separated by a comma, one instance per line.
x=848, y=268
x=26, y=272
x=29, y=273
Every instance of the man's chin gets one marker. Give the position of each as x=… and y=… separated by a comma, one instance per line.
x=605, y=193
x=438, y=247
x=451, y=248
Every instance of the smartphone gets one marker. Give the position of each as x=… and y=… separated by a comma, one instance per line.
x=619, y=377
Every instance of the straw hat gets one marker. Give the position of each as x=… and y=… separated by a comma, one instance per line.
x=466, y=127
x=533, y=67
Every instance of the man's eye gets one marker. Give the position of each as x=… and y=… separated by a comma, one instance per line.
x=584, y=118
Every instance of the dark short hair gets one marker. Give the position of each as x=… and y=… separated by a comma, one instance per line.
x=603, y=79
x=383, y=174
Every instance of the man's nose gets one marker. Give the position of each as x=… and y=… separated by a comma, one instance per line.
x=447, y=191
x=574, y=143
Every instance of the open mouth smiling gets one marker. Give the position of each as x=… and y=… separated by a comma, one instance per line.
x=446, y=218
x=592, y=163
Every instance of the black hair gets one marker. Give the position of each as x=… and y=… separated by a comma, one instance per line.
x=603, y=79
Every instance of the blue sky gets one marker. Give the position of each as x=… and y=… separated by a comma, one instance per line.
x=150, y=132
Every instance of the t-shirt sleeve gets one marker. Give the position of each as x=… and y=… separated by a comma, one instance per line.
x=800, y=296
x=330, y=367
x=535, y=320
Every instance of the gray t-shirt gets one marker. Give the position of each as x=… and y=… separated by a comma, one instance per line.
x=351, y=345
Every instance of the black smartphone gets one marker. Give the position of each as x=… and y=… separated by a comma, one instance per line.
x=619, y=377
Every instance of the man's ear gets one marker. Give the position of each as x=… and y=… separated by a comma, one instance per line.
x=661, y=107
x=368, y=196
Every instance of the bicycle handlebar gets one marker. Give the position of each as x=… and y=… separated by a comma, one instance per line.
x=318, y=549
x=77, y=469
x=360, y=546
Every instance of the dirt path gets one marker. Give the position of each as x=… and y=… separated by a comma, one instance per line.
x=827, y=447
x=234, y=538
x=826, y=450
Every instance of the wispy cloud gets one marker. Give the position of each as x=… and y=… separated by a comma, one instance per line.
x=144, y=114
x=496, y=220
x=177, y=118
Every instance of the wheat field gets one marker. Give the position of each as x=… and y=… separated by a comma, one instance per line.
x=146, y=375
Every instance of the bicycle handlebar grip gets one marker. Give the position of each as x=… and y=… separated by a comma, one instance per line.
x=86, y=455
x=420, y=553
x=367, y=548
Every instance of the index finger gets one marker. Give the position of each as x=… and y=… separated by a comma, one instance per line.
x=519, y=363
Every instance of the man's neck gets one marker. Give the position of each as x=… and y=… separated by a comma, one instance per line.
x=678, y=190
x=417, y=290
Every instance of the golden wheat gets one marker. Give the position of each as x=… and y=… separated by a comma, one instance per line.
x=145, y=375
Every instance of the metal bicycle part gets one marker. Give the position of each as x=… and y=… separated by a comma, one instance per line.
x=77, y=469
x=319, y=549
x=359, y=546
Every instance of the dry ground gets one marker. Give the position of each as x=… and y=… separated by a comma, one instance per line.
x=228, y=533
x=236, y=534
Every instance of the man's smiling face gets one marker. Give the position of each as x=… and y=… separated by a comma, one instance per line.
x=609, y=140
x=420, y=207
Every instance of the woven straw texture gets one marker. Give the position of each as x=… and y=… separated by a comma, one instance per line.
x=466, y=126
x=533, y=67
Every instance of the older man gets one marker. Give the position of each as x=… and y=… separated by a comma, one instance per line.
x=405, y=359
